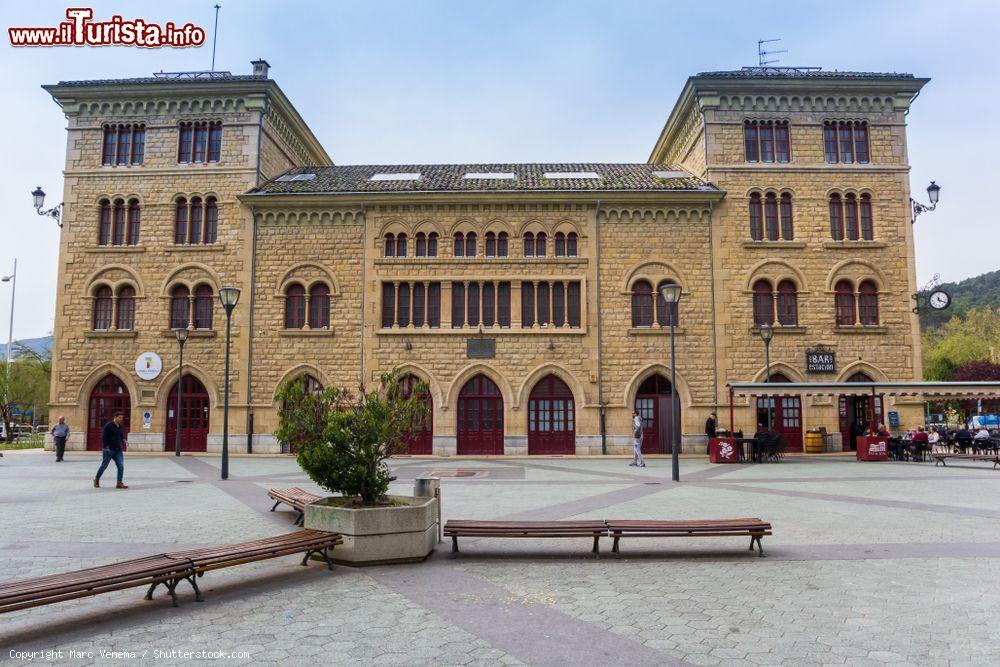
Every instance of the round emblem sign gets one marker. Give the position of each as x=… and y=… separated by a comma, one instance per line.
x=148, y=366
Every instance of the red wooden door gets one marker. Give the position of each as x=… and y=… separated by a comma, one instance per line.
x=653, y=402
x=109, y=396
x=420, y=440
x=480, y=417
x=195, y=405
x=551, y=418
x=785, y=415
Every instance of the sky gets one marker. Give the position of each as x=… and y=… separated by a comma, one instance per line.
x=518, y=81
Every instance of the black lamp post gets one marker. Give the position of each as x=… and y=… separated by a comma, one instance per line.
x=38, y=198
x=933, y=194
x=766, y=334
x=229, y=296
x=671, y=293
x=182, y=336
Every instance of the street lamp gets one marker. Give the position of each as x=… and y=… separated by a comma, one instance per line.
x=229, y=296
x=933, y=194
x=38, y=198
x=671, y=293
x=12, y=279
x=182, y=336
x=766, y=334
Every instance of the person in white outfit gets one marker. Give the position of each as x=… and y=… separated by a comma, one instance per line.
x=637, y=460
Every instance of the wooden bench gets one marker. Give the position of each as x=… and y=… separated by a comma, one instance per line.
x=940, y=458
x=455, y=529
x=295, y=498
x=752, y=528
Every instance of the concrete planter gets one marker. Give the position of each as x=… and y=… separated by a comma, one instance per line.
x=404, y=533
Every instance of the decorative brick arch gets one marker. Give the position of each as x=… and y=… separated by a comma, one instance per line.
x=114, y=276
x=860, y=366
x=203, y=273
x=97, y=374
x=856, y=271
x=782, y=367
x=654, y=271
x=296, y=371
x=540, y=372
x=774, y=271
x=469, y=372
x=632, y=387
x=418, y=371
x=307, y=274
x=169, y=376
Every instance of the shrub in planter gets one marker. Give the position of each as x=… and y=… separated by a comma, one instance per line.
x=344, y=438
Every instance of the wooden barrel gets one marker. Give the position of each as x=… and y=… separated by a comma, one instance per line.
x=814, y=443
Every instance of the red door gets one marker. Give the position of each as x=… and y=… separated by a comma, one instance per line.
x=480, y=417
x=653, y=402
x=551, y=418
x=785, y=417
x=194, y=417
x=109, y=396
x=420, y=440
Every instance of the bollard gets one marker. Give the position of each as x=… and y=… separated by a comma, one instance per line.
x=429, y=487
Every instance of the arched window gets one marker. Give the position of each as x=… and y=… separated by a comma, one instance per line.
x=420, y=245
x=642, y=304
x=211, y=220
x=102, y=308
x=788, y=304
x=195, y=218
x=133, y=222
x=125, y=315
x=180, y=307
x=836, y=218
x=868, y=304
x=319, y=306
x=470, y=244
x=181, y=222
x=401, y=245
x=295, y=306
x=502, y=244
x=540, y=244
x=763, y=303
x=390, y=245
x=459, y=244
x=867, y=226
x=771, y=216
x=118, y=232
x=852, y=231
x=203, y=302
x=756, y=218
x=844, y=303
x=560, y=243
x=571, y=244
x=432, y=244
x=662, y=315
x=491, y=244
x=529, y=245
x=104, y=223
x=787, y=228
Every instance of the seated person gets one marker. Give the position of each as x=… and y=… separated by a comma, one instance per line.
x=933, y=438
x=982, y=434
x=883, y=432
x=962, y=437
x=920, y=442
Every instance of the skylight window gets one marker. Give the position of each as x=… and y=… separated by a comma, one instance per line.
x=571, y=174
x=402, y=176
x=296, y=177
x=671, y=174
x=490, y=175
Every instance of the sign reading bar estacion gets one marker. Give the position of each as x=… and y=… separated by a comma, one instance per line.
x=820, y=361
x=481, y=348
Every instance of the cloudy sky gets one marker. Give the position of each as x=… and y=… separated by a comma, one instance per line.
x=520, y=81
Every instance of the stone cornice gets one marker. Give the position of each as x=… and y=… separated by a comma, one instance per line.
x=326, y=199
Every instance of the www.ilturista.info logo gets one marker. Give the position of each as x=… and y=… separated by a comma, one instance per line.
x=81, y=30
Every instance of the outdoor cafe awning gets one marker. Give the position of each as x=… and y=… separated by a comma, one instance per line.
x=929, y=391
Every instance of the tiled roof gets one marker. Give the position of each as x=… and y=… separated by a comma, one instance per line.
x=215, y=77
x=349, y=179
x=799, y=73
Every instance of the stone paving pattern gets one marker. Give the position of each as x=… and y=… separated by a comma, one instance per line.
x=870, y=564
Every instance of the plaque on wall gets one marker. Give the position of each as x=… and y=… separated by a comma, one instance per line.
x=821, y=361
x=481, y=348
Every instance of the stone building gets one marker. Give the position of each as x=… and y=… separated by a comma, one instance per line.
x=524, y=295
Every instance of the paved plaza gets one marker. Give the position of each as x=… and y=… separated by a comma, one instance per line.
x=870, y=563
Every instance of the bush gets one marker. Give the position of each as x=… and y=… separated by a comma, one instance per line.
x=343, y=439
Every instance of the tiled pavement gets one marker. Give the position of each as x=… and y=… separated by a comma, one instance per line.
x=886, y=563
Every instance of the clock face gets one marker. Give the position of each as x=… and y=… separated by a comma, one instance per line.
x=939, y=300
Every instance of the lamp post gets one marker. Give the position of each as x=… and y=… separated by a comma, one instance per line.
x=933, y=194
x=12, y=279
x=766, y=334
x=182, y=336
x=671, y=293
x=229, y=296
x=38, y=198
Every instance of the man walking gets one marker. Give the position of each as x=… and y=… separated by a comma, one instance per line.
x=637, y=460
x=59, y=433
x=710, y=431
x=112, y=444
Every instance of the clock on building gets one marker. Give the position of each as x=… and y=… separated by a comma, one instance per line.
x=939, y=300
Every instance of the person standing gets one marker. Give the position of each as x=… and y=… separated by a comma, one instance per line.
x=710, y=430
x=637, y=460
x=112, y=445
x=59, y=433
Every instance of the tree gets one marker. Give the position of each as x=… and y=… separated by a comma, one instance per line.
x=977, y=371
x=24, y=385
x=343, y=439
x=964, y=338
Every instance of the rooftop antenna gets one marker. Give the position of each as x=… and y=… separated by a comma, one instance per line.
x=762, y=55
x=215, y=34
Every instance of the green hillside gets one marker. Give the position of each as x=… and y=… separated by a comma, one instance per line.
x=972, y=293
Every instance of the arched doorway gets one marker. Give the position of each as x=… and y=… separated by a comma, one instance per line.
x=420, y=440
x=653, y=403
x=786, y=415
x=551, y=418
x=108, y=396
x=858, y=412
x=195, y=405
x=480, y=417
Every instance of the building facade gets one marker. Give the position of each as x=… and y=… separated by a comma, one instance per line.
x=524, y=295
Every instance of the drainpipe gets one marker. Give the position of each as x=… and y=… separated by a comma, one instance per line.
x=715, y=333
x=253, y=277
x=600, y=367
x=364, y=263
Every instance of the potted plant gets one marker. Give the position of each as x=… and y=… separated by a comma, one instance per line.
x=342, y=440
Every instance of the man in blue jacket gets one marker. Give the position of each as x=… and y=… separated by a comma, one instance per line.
x=112, y=444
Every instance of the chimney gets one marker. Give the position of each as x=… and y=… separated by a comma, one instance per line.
x=260, y=68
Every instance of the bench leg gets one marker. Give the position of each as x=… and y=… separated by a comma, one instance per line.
x=149, y=593
x=300, y=519
x=596, y=550
x=276, y=503
x=197, y=591
x=760, y=547
x=614, y=547
x=172, y=589
x=454, y=545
